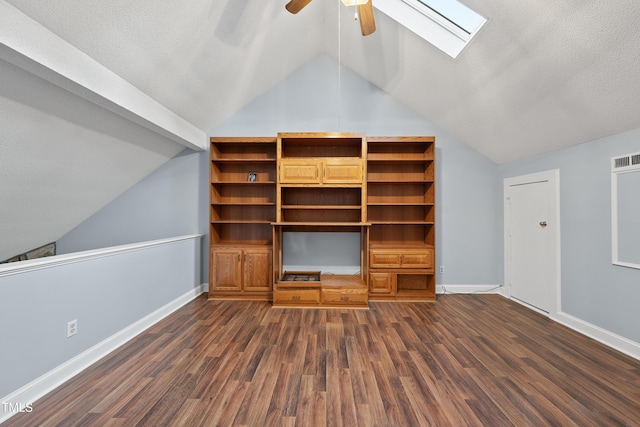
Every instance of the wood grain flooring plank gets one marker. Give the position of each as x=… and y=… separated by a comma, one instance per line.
x=255, y=407
x=378, y=412
x=465, y=360
x=306, y=400
x=348, y=413
x=334, y=404
x=278, y=399
x=387, y=394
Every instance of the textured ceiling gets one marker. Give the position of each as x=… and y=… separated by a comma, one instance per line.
x=539, y=76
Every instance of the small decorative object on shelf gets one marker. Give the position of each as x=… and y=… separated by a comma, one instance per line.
x=253, y=177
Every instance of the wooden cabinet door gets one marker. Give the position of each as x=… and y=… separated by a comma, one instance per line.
x=257, y=266
x=225, y=270
x=342, y=171
x=422, y=258
x=381, y=283
x=299, y=171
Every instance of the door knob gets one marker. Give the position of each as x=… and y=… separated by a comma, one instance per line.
x=543, y=223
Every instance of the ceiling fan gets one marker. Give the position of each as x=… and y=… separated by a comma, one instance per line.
x=365, y=12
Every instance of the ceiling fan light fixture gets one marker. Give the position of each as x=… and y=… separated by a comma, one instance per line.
x=354, y=2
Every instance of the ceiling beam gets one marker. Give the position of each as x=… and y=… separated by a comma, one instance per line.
x=28, y=45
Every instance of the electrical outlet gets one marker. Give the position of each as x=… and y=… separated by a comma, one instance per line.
x=442, y=269
x=72, y=328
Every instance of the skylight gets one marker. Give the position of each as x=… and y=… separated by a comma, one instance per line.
x=447, y=24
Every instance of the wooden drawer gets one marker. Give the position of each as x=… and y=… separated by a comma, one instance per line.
x=401, y=258
x=384, y=259
x=418, y=259
x=349, y=297
x=296, y=296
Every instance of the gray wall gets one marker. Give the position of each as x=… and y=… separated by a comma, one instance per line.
x=105, y=294
x=164, y=204
x=593, y=289
x=468, y=190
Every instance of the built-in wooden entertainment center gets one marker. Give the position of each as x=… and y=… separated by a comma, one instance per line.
x=380, y=187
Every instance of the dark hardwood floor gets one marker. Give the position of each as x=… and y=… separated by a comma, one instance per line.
x=477, y=360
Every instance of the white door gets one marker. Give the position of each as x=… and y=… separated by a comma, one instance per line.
x=532, y=240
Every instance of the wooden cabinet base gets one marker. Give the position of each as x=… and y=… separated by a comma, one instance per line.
x=258, y=296
x=343, y=291
x=241, y=273
x=402, y=285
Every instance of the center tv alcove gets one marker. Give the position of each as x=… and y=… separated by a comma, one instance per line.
x=379, y=189
x=320, y=189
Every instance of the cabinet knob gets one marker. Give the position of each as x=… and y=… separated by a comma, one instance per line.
x=543, y=223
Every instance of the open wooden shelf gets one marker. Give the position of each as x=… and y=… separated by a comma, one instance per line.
x=401, y=209
x=243, y=206
x=321, y=186
x=319, y=207
x=244, y=203
x=380, y=187
x=241, y=160
x=321, y=224
x=245, y=182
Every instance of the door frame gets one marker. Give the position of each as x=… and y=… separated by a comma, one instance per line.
x=553, y=177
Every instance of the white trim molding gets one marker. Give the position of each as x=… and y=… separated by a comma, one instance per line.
x=57, y=260
x=39, y=387
x=608, y=338
x=468, y=289
x=621, y=167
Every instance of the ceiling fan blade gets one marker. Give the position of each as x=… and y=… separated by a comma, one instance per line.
x=295, y=6
x=367, y=20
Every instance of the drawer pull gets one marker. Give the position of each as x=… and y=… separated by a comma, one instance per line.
x=344, y=298
x=295, y=297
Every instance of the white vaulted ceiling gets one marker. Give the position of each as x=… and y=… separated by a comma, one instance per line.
x=538, y=76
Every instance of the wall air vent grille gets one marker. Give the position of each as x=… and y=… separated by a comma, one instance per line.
x=625, y=163
x=621, y=162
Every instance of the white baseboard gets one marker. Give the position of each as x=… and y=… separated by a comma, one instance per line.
x=468, y=289
x=617, y=342
x=608, y=338
x=37, y=388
